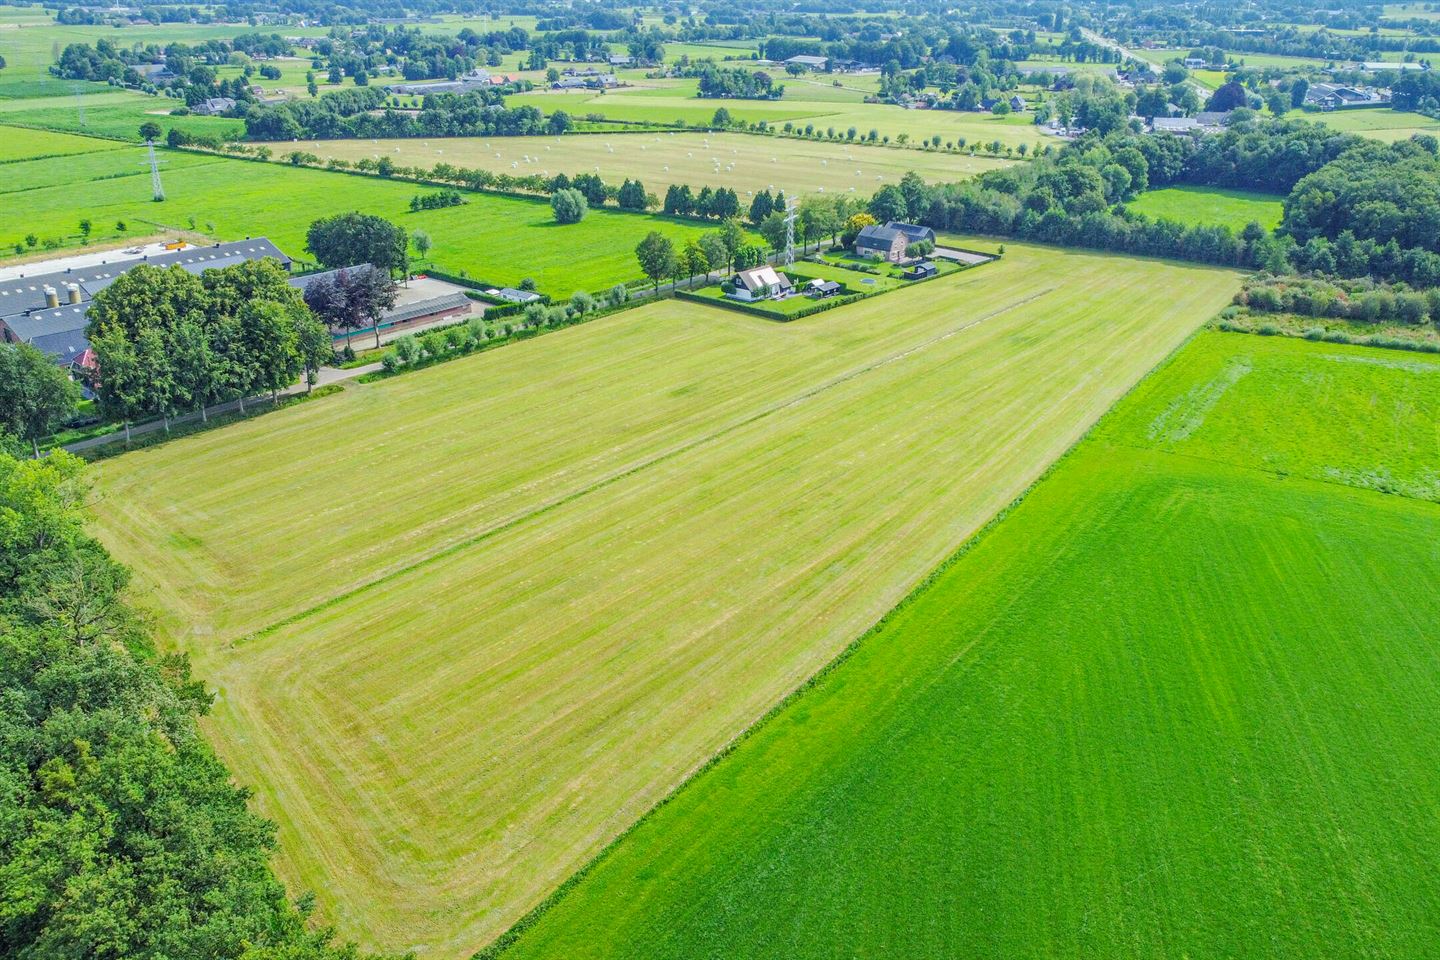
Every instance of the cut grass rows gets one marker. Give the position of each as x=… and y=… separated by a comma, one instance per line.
x=440, y=753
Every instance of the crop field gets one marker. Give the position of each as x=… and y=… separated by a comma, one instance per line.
x=889, y=121
x=1180, y=702
x=1211, y=205
x=600, y=555
x=230, y=199
x=744, y=163
x=1379, y=124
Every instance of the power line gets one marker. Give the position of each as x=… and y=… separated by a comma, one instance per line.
x=156, y=188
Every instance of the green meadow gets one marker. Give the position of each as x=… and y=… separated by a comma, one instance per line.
x=1379, y=123
x=1181, y=701
x=469, y=623
x=1211, y=205
x=497, y=239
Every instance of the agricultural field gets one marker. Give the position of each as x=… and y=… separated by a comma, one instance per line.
x=27, y=43
x=1180, y=701
x=1379, y=123
x=889, y=121
x=742, y=162
x=1211, y=205
x=498, y=239
x=468, y=624
x=117, y=114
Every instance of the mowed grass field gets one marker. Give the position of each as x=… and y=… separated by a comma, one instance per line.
x=1378, y=124
x=743, y=163
x=1181, y=702
x=804, y=103
x=498, y=239
x=467, y=625
x=1211, y=205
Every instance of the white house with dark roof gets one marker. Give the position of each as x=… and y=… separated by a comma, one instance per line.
x=761, y=283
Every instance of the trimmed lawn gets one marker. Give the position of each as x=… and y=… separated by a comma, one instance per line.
x=1211, y=206
x=1180, y=702
x=469, y=623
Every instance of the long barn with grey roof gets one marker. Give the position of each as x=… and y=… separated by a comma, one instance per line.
x=48, y=309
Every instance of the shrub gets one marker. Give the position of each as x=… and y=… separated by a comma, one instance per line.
x=433, y=343
x=527, y=284
x=1314, y=333
x=569, y=205
x=455, y=337
x=389, y=361
x=619, y=294
x=535, y=315
x=582, y=302
x=1268, y=330
x=407, y=349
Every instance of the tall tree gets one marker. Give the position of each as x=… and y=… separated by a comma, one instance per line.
x=350, y=239
x=36, y=396
x=657, y=257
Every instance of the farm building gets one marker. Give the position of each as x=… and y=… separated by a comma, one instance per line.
x=821, y=289
x=423, y=303
x=761, y=283
x=923, y=270
x=808, y=62
x=515, y=296
x=48, y=309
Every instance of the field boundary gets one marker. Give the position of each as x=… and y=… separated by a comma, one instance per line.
x=501, y=944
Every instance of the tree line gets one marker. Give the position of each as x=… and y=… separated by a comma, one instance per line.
x=167, y=340
x=472, y=114
x=121, y=833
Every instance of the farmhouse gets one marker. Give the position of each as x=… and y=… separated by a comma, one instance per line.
x=892, y=240
x=885, y=242
x=761, y=283
x=213, y=107
x=48, y=309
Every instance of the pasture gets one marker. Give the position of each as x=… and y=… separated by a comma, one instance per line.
x=1181, y=701
x=1380, y=123
x=799, y=106
x=498, y=239
x=744, y=163
x=468, y=624
x=1211, y=205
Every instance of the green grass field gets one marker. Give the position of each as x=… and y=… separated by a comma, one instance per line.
x=660, y=106
x=744, y=163
x=498, y=239
x=1211, y=205
x=1379, y=124
x=1180, y=702
x=466, y=625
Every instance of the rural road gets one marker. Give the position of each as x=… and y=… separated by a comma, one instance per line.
x=327, y=376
